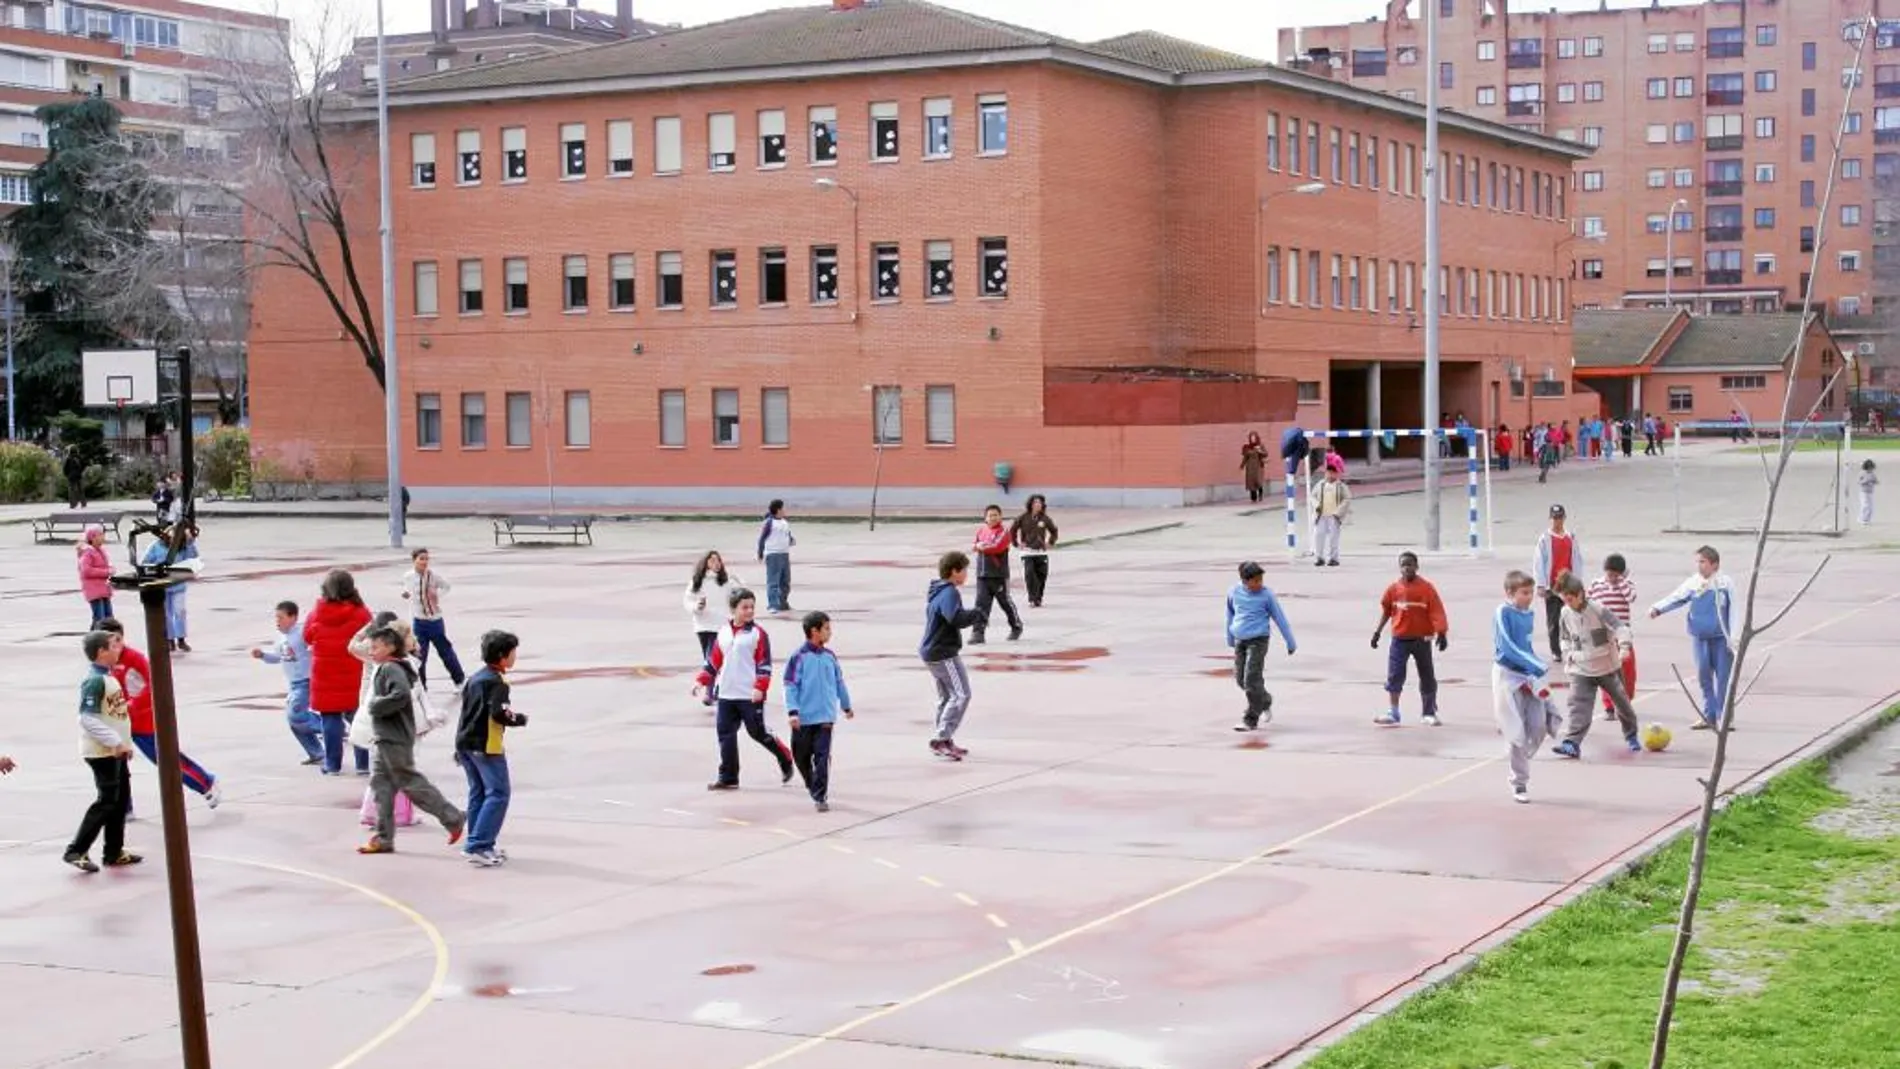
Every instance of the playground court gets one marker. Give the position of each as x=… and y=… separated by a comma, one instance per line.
x=1114, y=877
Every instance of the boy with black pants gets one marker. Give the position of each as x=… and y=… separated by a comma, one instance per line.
x=739, y=670
x=814, y=695
x=1558, y=551
x=992, y=576
x=105, y=742
x=941, y=651
x=1417, y=615
x=1252, y=614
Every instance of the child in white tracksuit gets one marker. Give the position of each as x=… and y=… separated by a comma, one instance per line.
x=1868, y=480
x=1519, y=698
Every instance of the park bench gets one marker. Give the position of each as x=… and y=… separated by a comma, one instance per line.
x=529, y=530
x=73, y=523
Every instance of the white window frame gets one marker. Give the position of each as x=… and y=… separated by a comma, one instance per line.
x=428, y=436
x=987, y=106
x=726, y=435
x=573, y=151
x=939, y=252
x=939, y=142
x=514, y=272
x=468, y=279
x=426, y=279
x=622, y=267
x=940, y=415
x=422, y=154
x=514, y=153
x=583, y=424
x=509, y=403
x=772, y=124
x=884, y=117
x=468, y=148
x=575, y=267
x=667, y=157
x=672, y=419
x=722, y=142
x=669, y=265
x=775, y=417
x=620, y=148
x=821, y=118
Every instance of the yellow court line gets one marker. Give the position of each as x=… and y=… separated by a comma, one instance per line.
x=928, y=882
x=437, y=943
x=848, y=1027
x=887, y=864
x=966, y=900
x=996, y=920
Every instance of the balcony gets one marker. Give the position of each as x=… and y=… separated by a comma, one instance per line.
x=1886, y=90
x=1726, y=50
x=1368, y=68
x=1722, y=233
x=1887, y=137
x=1723, y=143
x=1723, y=98
x=1886, y=270
x=1723, y=189
x=1518, y=108
x=1519, y=61
x=1722, y=278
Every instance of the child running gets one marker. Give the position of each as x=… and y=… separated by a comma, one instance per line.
x=1252, y=613
x=1595, y=643
x=814, y=696
x=942, y=651
x=1615, y=592
x=706, y=608
x=291, y=652
x=181, y=545
x=739, y=671
x=1035, y=534
x=422, y=588
x=104, y=725
x=486, y=715
x=992, y=576
x=1868, y=480
x=1417, y=615
x=133, y=672
x=1519, y=699
x=390, y=707
x=1710, y=596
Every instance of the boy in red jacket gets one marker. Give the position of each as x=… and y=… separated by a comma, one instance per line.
x=992, y=576
x=134, y=673
x=1417, y=615
x=737, y=674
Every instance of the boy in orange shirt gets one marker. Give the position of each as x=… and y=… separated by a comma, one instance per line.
x=1417, y=615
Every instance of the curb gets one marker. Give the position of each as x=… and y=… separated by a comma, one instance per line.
x=1130, y=533
x=1837, y=740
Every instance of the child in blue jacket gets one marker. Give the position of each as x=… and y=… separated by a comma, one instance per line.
x=1252, y=614
x=814, y=696
x=1519, y=697
x=1710, y=596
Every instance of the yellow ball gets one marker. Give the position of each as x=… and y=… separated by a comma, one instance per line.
x=1656, y=738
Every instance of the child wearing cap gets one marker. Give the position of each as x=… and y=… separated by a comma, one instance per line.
x=1558, y=551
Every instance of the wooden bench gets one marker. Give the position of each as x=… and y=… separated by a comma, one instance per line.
x=574, y=529
x=74, y=523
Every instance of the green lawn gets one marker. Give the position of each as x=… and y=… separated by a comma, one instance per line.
x=1809, y=445
x=1796, y=963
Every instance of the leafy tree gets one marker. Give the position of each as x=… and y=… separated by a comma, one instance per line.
x=91, y=200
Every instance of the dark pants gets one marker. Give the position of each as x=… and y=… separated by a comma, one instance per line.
x=76, y=491
x=336, y=728
x=436, y=633
x=994, y=589
x=706, y=640
x=1250, y=666
x=191, y=771
x=489, y=791
x=1418, y=650
x=778, y=581
x=396, y=773
x=811, y=752
x=1553, y=615
x=750, y=715
x=1035, y=577
x=101, y=608
x=113, y=782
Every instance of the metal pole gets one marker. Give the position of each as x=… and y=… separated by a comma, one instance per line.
x=1432, y=287
x=194, y=1034
x=187, y=455
x=13, y=431
x=392, y=382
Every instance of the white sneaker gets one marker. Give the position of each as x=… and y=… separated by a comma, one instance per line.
x=486, y=859
x=1521, y=795
x=1429, y=720
x=215, y=794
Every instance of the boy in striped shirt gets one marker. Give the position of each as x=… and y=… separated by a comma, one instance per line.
x=1615, y=592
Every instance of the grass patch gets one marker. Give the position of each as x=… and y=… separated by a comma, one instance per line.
x=1811, y=445
x=1796, y=962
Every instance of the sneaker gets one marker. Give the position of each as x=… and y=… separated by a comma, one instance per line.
x=183, y=646
x=1246, y=724
x=1635, y=744
x=822, y=807
x=1701, y=725
x=1387, y=719
x=376, y=846
x=937, y=746
x=215, y=794
x=486, y=859
x=976, y=640
x=1430, y=720
x=312, y=761
x=125, y=858
x=1521, y=795
x=1609, y=714
x=1015, y=633
x=721, y=785
x=1319, y=564
x=1332, y=563
x=785, y=772
x=80, y=862
x=457, y=830
x=958, y=750
x=1567, y=749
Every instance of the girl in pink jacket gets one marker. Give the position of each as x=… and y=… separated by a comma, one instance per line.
x=95, y=573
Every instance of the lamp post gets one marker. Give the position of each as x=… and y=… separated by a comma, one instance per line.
x=857, y=284
x=1669, y=253
x=13, y=431
x=1433, y=285
x=857, y=329
x=1304, y=189
x=392, y=415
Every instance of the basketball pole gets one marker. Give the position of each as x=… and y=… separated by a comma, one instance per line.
x=1433, y=284
x=392, y=415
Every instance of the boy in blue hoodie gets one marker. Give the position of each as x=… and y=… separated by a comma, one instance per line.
x=1710, y=596
x=814, y=695
x=1519, y=698
x=1252, y=614
x=942, y=648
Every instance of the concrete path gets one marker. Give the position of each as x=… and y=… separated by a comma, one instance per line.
x=1114, y=878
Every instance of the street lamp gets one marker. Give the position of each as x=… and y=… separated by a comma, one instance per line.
x=1304, y=189
x=857, y=286
x=392, y=413
x=6, y=265
x=857, y=306
x=1669, y=253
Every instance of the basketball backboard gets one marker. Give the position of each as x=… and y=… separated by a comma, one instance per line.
x=116, y=378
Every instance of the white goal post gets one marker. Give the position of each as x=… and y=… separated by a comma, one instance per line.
x=1479, y=534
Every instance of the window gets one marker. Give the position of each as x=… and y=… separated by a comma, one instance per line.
x=666, y=145
x=1685, y=130
x=1445, y=76
x=1850, y=168
x=518, y=420
x=1807, y=193
x=1592, y=225
x=1313, y=297
x=1273, y=140
x=1850, y=306
x=725, y=278
x=1292, y=276
x=1372, y=163
x=1656, y=223
x=1765, y=34
x=1592, y=269
x=620, y=147
x=469, y=301
x=1681, y=399
x=773, y=285
x=1850, y=261
x=1764, y=218
x=1293, y=145
x=1592, y=47
x=514, y=154
x=1657, y=178
x=1355, y=288
x=1658, y=43
x=1683, y=222
x=824, y=274
x=940, y=415
x=1764, y=263
x=884, y=131
x=1807, y=148
x=885, y=261
x=1807, y=103
x=422, y=161
x=1487, y=96
x=1353, y=173
x=1656, y=133
x=428, y=421
x=620, y=297
x=722, y=141
x=1566, y=94
x=673, y=418
x=775, y=416
x=573, y=150
x=1487, y=51
x=1764, y=81
x=1807, y=55
x=937, y=128
x=1764, y=173
x=1765, y=128
x=574, y=288
x=995, y=264
x=468, y=157
x=1656, y=88
x=426, y=287
x=823, y=146
x=1411, y=287
x=1850, y=215
x=940, y=268
x=474, y=421
x=1338, y=281
x=772, y=138
x=514, y=285
x=1337, y=172
x=580, y=419
x=1656, y=268
x=672, y=281
x=1273, y=274
x=1408, y=55
x=1725, y=89
x=992, y=116
x=1807, y=239
x=1852, y=125
x=1566, y=48
x=725, y=410
x=1744, y=382
x=1684, y=177
x=1592, y=181
x=887, y=415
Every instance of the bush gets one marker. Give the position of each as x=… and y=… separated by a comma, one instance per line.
x=27, y=472
x=224, y=459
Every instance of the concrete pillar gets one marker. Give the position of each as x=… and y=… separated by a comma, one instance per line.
x=623, y=17
x=1374, y=378
x=439, y=20
x=1636, y=397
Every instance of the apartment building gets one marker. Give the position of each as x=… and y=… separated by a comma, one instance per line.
x=789, y=254
x=1713, y=126
x=473, y=32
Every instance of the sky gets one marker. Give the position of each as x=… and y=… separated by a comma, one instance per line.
x=1250, y=27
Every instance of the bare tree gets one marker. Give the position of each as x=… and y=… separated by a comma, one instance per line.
x=1794, y=425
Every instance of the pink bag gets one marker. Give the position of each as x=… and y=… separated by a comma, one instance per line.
x=405, y=810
